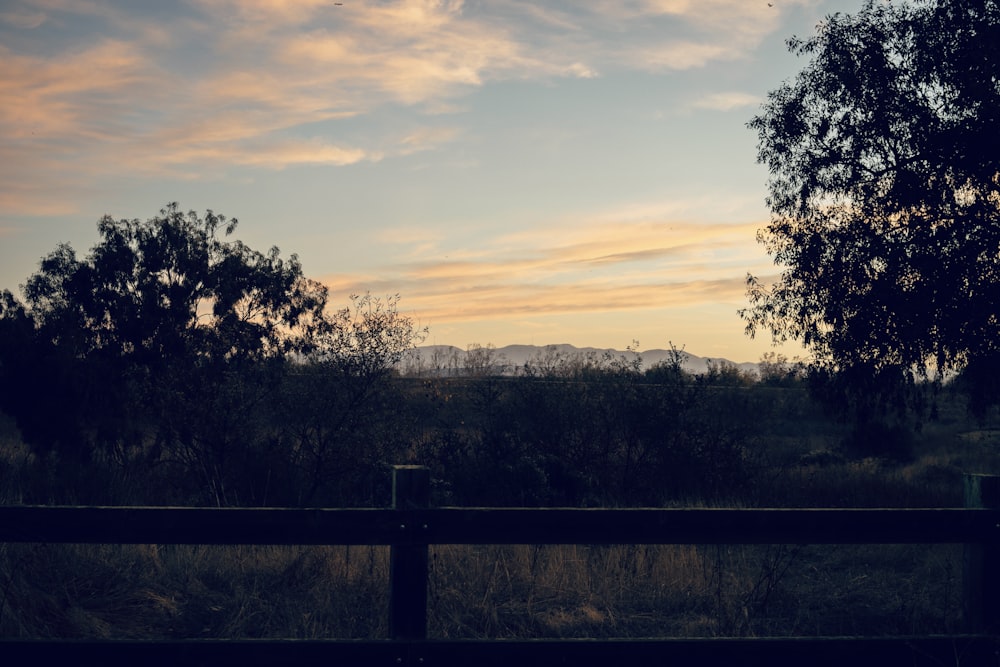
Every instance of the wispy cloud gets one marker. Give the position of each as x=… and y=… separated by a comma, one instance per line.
x=75, y=96
x=427, y=138
x=504, y=301
x=16, y=196
x=263, y=84
x=458, y=303
x=726, y=101
x=685, y=34
x=272, y=154
x=23, y=19
x=56, y=111
x=683, y=55
x=604, y=267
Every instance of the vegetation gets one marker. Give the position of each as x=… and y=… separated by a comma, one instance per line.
x=172, y=366
x=885, y=201
x=171, y=349
x=571, y=431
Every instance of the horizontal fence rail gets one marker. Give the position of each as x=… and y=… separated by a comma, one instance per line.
x=410, y=526
x=182, y=525
x=797, y=652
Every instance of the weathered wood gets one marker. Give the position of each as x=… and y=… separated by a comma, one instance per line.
x=710, y=526
x=193, y=525
x=981, y=561
x=183, y=525
x=410, y=526
x=794, y=652
x=203, y=652
x=408, y=561
x=812, y=651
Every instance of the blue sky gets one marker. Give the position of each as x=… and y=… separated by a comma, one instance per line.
x=518, y=172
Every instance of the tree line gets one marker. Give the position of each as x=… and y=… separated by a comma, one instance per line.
x=884, y=189
x=172, y=347
x=173, y=365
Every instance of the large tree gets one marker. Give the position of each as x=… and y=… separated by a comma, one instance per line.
x=885, y=193
x=173, y=286
x=170, y=341
x=157, y=331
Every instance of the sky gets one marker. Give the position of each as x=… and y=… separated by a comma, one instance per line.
x=517, y=172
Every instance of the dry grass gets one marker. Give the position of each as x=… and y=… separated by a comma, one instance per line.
x=148, y=591
x=691, y=591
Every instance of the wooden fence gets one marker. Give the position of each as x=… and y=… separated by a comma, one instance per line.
x=411, y=525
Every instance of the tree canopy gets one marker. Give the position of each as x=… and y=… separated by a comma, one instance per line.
x=885, y=192
x=169, y=287
x=168, y=340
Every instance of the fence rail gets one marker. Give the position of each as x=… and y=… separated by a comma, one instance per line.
x=410, y=526
x=177, y=525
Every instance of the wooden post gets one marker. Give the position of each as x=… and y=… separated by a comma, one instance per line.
x=408, y=559
x=981, y=562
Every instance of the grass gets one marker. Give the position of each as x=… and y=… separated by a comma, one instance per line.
x=554, y=591
x=179, y=591
x=692, y=591
x=173, y=592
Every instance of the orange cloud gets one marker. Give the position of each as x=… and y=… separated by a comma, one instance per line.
x=272, y=154
x=607, y=267
x=19, y=199
x=43, y=96
x=510, y=300
x=22, y=19
x=58, y=109
x=272, y=68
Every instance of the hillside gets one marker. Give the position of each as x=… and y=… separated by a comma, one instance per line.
x=513, y=356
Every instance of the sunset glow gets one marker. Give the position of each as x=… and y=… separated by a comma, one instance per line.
x=518, y=172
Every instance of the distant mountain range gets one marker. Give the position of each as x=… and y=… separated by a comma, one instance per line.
x=513, y=356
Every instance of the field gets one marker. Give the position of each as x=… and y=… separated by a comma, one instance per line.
x=772, y=446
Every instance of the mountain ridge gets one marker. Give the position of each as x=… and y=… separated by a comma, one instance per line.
x=517, y=355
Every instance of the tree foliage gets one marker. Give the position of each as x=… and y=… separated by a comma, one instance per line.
x=885, y=192
x=170, y=286
x=170, y=341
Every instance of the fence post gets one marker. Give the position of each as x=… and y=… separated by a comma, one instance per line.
x=981, y=562
x=408, y=560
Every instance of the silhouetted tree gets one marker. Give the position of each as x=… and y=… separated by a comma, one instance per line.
x=340, y=413
x=885, y=195
x=166, y=336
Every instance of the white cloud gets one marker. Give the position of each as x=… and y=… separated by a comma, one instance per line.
x=581, y=71
x=726, y=101
x=271, y=155
x=427, y=138
x=683, y=55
